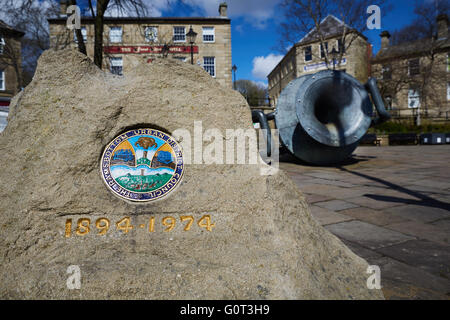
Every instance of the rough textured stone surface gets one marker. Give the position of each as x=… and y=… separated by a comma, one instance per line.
x=265, y=243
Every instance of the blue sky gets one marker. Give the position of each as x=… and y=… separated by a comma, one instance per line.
x=254, y=27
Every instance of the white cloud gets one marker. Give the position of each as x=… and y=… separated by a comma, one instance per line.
x=255, y=12
x=154, y=8
x=261, y=84
x=262, y=66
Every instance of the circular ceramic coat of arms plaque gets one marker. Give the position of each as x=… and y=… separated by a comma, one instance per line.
x=142, y=165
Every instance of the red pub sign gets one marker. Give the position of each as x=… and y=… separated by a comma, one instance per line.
x=149, y=49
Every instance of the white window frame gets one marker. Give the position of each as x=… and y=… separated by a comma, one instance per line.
x=113, y=37
x=155, y=39
x=2, y=79
x=325, y=50
x=116, y=62
x=448, y=62
x=209, y=65
x=448, y=91
x=209, y=31
x=83, y=33
x=413, y=95
x=409, y=66
x=338, y=47
x=386, y=69
x=2, y=44
x=3, y=120
x=304, y=56
x=179, y=34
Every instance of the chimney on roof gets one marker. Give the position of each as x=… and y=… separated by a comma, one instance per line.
x=223, y=9
x=63, y=4
x=442, y=26
x=385, y=35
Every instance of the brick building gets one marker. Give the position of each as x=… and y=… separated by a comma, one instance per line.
x=308, y=56
x=414, y=77
x=128, y=39
x=10, y=68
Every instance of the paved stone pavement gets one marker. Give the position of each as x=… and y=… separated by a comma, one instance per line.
x=391, y=206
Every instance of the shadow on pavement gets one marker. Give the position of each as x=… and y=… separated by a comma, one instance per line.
x=289, y=158
x=425, y=200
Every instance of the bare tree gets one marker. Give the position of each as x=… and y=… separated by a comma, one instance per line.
x=122, y=7
x=301, y=16
x=256, y=95
x=424, y=25
x=29, y=16
x=10, y=57
x=427, y=52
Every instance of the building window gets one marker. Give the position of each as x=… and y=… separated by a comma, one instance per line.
x=116, y=65
x=151, y=34
x=3, y=120
x=83, y=33
x=388, y=100
x=448, y=91
x=448, y=62
x=179, y=58
x=340, y=46
x=322, y=52
x=413, y=98
x=2, y=45
x=2, y=80
x=179, y=34
x=208, y=34
x=387, y=72
x=308, y=53
x=115, y=34
x=414, y=67
x=209, y=64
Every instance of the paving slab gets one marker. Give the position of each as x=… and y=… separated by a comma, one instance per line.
x=372, y=216
x=334, y=191
x=365, y=253
x=432, y=183
x=313, y=198
x=373, y=203
x=336, y=205
x=423, y=213
x=425, y=189
x=443, y=225
x=329, y=182
x=325, y=216
x=367, y=235
x=422, y=231
x=423, y=254
x=403, y=218
x=402, y=281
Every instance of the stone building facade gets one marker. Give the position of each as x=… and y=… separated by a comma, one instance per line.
x=10, y=68
x=414, y=77
x=129, y=40
x=307, y=56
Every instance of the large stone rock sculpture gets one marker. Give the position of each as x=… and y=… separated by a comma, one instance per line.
x=264, y=243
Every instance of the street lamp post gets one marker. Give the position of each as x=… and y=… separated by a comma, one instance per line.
x=234, y=68
x=191, y=35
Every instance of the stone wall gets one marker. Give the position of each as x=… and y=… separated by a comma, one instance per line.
x=133, y=35
x=11, y=77
x=293, y=64
x=434, y=104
